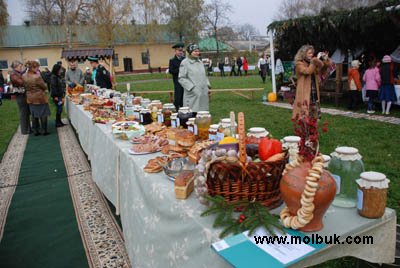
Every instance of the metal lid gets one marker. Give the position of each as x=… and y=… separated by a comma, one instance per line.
x=214, y=127
x=225, y=120
x=168, y=105
x=155, y=101
x=346, y=150
x=202, y=113
x=191, y=120
x=292, y=139
x=174, y=115
x=372, y=176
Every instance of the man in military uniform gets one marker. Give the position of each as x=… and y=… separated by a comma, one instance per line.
x=173, y=68
x=100, y=76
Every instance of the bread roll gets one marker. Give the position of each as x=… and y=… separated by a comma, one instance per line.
x=185, y=138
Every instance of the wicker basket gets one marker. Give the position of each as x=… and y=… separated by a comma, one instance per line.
x=246, y=181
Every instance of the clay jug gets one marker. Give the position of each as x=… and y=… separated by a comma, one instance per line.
x=292, y=186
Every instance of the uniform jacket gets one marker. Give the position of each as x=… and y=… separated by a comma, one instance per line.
x=57, y=86
x=35, y=88
x=193, y=78
x=173, y=69
x=103, y=79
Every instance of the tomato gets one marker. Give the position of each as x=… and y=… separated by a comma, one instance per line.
x=269, y=147
x=276, y=146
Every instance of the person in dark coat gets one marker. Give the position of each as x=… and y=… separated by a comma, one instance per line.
x=101, y=77
x=173, y=69
x=239, y=64
x=221, y=64
x=57, y=88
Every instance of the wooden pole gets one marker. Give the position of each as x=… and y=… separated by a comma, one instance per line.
x=339, y=74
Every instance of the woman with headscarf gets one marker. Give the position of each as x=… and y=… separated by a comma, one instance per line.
x=308, y=69
x=193, y=78
x=18, y=89
x=36, y=97
x=57, y=89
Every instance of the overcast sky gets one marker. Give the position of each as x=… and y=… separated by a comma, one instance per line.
x=256, y=12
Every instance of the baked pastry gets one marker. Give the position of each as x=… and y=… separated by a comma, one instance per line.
x=195, y=152
x=171, y=133
x=185, y=138
x=183, y=178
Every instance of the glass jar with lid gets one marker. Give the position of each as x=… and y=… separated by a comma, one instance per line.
x=145, y=103
x=224, y=129
x=291, y=143
x=255, y=134
x=145, y=117
x=156, y=103
x=168, y=110
x=136, y=112
x=184, y=113
x=212, y=132
x=191, y=126
x=174, y=120
x=346, y=166
x=203, y=123
x=372, y=194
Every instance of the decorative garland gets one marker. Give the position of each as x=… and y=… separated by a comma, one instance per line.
x=253, y=214
x=305, y=212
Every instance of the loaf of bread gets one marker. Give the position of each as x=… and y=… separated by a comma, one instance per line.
x=185, y=138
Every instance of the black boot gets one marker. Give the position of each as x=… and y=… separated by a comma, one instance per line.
x=59, y=123
x=43, y=122
x=35, y=125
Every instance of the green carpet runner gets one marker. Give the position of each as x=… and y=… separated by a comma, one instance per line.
x=41, y=228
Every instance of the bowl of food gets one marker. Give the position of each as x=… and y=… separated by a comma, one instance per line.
x=229, y=143
x=174, y=167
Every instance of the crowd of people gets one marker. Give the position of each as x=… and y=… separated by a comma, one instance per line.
x=377, y=78
x=32, y=87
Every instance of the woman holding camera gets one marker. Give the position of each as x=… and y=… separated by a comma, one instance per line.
x=308, y=68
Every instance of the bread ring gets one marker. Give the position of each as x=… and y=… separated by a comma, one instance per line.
x=286, y=222
x=313, y=179
x=319, y=169
x=310, y=208
x=309, y=194
x=316, y=176
x=312, y=184
x=306, y=200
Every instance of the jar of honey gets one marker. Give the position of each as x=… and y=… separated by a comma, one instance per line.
x=372, y=194
x=191, y=126
x=212, y=132
x=203, y=123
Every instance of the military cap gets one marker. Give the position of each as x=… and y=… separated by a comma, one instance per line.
x=178, y=45
x=93, y=59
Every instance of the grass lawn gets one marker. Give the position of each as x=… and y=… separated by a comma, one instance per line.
x=376, y=141
x=9, y=121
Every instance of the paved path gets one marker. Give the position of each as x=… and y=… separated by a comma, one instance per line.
x=374, y=117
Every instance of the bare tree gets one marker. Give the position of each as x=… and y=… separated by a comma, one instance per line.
x=184, y=17
x=3, y=13
x=245, y=31
x=61, y=12
x=227, y=33
x=216, y=16
x=110, y=16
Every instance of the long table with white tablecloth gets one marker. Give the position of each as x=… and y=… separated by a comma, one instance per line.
x=161, y=231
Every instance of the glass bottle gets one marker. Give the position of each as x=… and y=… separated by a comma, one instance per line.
x=346, y=166
x=203, y=123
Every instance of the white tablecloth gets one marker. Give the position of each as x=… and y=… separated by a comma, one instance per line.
x=161, y=231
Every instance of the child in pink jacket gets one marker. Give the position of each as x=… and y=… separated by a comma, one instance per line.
x=372, y=80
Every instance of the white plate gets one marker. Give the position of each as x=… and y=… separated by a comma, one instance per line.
x=132, y=152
